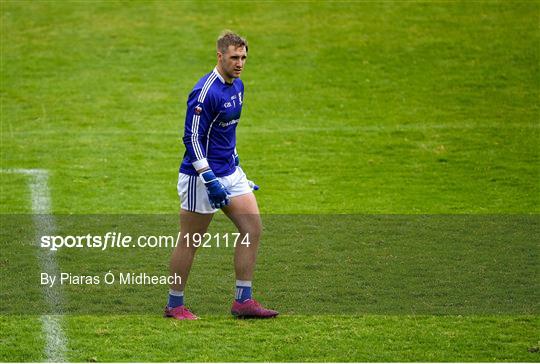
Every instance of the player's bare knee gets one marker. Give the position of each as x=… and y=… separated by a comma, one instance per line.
x=190, y=241
x=254, y=231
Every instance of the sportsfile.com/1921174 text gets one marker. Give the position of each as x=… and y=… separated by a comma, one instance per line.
x=120, y=240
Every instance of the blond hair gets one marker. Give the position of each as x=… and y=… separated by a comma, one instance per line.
x=228, y=38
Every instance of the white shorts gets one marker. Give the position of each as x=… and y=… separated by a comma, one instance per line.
x=193, y=196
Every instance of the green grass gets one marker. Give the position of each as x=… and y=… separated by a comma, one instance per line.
x=429, y=110
x=380, y=108
x=344, y=264
x=311, y=338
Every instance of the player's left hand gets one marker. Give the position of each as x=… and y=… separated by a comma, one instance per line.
x=253, y=186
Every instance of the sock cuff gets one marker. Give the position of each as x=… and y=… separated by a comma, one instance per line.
x=172, y=292
x=240, y=283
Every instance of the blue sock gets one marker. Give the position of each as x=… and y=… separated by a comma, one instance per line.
x=243, y=290
x=176, y=298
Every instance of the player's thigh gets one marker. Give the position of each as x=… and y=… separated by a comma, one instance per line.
x=193, y=222
x=245, y=204
x=244, y=212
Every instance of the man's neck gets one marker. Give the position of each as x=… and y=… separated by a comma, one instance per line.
x=222, y=74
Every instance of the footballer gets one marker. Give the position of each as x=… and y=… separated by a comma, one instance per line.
x=210, y=178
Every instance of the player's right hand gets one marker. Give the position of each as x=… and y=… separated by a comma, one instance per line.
x=217, y=193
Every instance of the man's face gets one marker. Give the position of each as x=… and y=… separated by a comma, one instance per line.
x=232, y=61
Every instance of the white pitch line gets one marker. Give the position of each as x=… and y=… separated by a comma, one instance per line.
x=56, y=342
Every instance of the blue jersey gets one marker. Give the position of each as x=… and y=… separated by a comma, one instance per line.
x=213, y=112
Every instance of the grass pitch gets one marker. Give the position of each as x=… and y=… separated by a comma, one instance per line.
x=421, y=108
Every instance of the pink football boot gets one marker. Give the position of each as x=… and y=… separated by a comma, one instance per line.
x=179, y=313
x=251, y=309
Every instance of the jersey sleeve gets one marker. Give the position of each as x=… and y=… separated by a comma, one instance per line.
x=241, y=100
x=199, y=115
